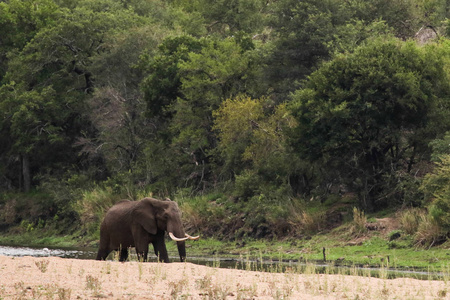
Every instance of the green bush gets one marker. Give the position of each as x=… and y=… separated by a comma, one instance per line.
x=359, y=222
x=202, y=213
x=429, y=232
x=93, y=204
x=34, y=207
x=64, y=191
x=436, y=186
x=246, y=185
x=410, y=219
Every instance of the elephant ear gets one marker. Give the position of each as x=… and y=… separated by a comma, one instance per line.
x=144, y=215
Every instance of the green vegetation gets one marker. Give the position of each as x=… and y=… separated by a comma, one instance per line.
x=265, y=120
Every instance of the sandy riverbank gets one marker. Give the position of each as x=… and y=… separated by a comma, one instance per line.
x=58, y=278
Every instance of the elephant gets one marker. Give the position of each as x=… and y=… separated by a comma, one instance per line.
x=139, y=223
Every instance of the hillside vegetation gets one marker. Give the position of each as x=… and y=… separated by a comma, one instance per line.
x=263, y=119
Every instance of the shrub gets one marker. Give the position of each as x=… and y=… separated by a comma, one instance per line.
x=435, y=226
x=34, y=207
x=429, y=232
x=394, y=234
x=93, y=205
x=359, y=222
x=410, y=219
x=307, y=222
x=202, y=213
x=64, y=191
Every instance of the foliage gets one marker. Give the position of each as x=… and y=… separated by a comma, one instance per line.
x=429, y=232
x=359, y=222
x=162, y=86
x=253, y=145
x=440, y=147
x=92, y=206
x=362, y=112
x=410, y=219
x=259, y=102
x=437, y=190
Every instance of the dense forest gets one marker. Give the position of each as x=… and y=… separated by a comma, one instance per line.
x=243, y=111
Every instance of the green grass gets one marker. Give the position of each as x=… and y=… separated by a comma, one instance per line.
x=374, y=252
x=47, y=236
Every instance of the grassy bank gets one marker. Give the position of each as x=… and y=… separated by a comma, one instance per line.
x=371, y=250
x=374, y=252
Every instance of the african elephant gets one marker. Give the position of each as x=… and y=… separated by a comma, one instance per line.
x=138, y=223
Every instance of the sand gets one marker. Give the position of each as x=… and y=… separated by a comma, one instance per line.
x=61, y=278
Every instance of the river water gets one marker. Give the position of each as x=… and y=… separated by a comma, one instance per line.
x=48, y=251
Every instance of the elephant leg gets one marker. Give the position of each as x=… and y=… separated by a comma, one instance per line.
x=142, y=252
x=123, y=254
x=103, y=253
x=161, y=250
x=103, y=250
x=141, y=240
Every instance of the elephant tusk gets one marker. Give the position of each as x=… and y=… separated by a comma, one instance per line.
x=177, y=239
x=192, y=237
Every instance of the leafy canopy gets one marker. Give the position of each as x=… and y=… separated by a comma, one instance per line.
x=362, y=112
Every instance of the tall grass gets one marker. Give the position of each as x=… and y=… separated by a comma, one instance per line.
x=359, y=222
x=92, y=206
x=428, y=232
x=410, y=219
x=306, y=222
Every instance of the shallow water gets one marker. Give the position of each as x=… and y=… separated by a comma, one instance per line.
x=48, y=251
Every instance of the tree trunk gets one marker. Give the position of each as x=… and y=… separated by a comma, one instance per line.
x=26, y=173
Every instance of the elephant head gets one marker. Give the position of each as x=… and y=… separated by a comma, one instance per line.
x=138, y=223
x=165, y=215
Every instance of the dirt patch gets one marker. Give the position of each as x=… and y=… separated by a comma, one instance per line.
x=384, y=225
x=58, y=278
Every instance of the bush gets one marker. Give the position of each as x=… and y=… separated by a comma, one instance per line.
x=205, y=214
x=246, y=185
x=92, y=206
x=306, y=222
x=436, y=186
x=32, y=207
x=429, y=232
x=410, y=219
x=64, y=191
x=359, y=222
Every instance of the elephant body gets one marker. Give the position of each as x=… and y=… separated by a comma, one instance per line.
x=139, y=223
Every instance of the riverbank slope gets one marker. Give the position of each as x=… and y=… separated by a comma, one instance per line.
x=32, y=278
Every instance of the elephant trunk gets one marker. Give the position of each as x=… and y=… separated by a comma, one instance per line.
x=182, y=251
x=177, y=234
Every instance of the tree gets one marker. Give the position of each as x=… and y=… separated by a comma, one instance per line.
x=304, y=33
x=188, y=79
x=20, y=21
x=35, y=122
x=222, y=69
x=252, y=140
x=162, y=86
x=49, y=80
x=364, y=114
x=228, y=18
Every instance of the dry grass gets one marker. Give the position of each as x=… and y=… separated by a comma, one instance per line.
x=305, y=222
x=358, y=226
x=410, y=219
x=428, y=232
